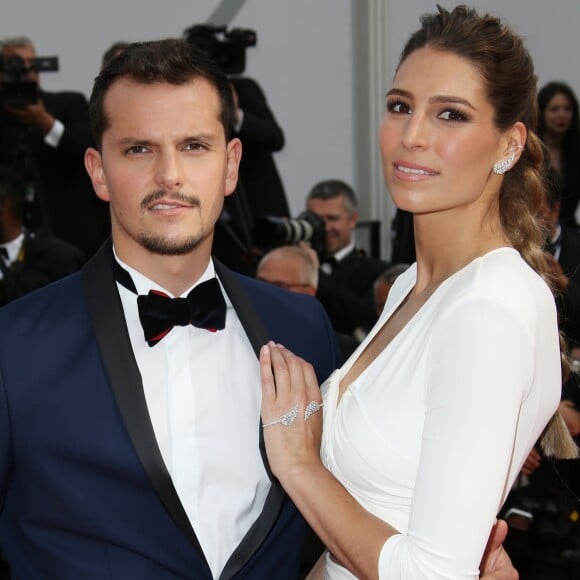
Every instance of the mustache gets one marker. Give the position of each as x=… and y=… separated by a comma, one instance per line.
x=177, y=196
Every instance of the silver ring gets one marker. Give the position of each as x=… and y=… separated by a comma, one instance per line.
x=311, y=408
x=286, y=419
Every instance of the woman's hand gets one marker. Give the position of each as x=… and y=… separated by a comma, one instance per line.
x=291, y=410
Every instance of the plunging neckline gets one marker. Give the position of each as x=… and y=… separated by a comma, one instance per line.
x=402, y=331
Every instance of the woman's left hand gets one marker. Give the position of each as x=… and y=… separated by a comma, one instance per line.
x=291, y=410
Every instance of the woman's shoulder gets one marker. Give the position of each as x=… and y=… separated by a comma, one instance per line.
x=502, y=277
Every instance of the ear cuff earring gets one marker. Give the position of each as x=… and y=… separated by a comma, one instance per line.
x=501, y=167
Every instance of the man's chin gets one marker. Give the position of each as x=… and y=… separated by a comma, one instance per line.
x=165, y=247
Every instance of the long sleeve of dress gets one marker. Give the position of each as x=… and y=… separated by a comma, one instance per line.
x=479, y=391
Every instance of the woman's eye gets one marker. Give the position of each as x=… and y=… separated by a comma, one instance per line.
x=398, y=107
x=453, y=115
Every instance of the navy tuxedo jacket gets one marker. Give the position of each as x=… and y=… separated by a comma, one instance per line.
x=84, y=492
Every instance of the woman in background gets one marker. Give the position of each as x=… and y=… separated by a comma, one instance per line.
x=428, y=423
x=559, y=128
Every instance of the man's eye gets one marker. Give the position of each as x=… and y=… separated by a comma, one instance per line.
x=136, y=150
x=196, y=147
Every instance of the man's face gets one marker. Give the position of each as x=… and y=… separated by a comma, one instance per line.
x=338, y=221
x=27, y=54
x=285, y=271
x=164, y=166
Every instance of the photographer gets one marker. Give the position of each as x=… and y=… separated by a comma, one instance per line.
x=347, y=274
x=260, y=191
x=43, y=137
x=27, y=261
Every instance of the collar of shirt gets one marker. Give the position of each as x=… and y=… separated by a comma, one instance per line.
x=338, y=256
x=203, y=395
x=556, y=241
x=13, y=247
x=144, y=284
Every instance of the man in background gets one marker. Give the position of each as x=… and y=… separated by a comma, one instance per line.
x=43, y=137
x=384, y=283
x=28, y=261
x=346, y=274
x=293, y=268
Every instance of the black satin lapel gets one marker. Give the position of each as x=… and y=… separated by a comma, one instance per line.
x=258, y=336
x=112, y=337
x=251, y=321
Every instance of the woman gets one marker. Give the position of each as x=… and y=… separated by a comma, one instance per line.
x=428, y=423
x=559, y=128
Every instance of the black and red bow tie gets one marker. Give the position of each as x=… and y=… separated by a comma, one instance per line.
x=204, y=307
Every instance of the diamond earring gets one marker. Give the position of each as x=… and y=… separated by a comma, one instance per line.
x=501, y=167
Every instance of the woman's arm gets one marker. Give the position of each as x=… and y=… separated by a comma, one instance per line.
x=480, y=367
x=353, y=535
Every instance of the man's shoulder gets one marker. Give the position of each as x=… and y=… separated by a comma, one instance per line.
x=41, y=243
x=50, y=300
x=358, y=260
x=260, y=291
x=62, y=95
x=63, y=102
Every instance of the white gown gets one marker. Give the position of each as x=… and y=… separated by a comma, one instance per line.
x=432, y=434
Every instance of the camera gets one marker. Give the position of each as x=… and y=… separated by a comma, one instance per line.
x=227, y=48
x=16, y=90
x=271, y=232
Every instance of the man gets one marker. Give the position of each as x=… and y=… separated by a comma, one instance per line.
x=293, y=268
x=146, y=461
x=27, y=261
x=384, y=283
x=563, y=248
x=44, y=139
x=260, y=190
x=136, y=452
x=345, y=285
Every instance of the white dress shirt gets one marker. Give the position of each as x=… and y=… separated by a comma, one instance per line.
x=203, y=395
x=12, y=249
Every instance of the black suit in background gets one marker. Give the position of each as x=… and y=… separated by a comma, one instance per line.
x=261, y=136
x=65, y=202
x=260, y=191
x=42, y=259
x=347, y=293
x=569, y=301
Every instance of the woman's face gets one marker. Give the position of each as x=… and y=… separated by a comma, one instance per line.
x=438, y=138
x=558, y=115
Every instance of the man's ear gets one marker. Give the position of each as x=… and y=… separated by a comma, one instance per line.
x=94, y=167
x=234, y=149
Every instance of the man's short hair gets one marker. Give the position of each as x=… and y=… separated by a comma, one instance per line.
x=389, y=275
x=15, y=42
x=333, y=188
x=173, y=61
x=309, y=266
x=13, y=189
x=113, y=50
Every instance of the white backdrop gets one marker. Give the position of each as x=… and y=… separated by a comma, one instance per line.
x=303, y=60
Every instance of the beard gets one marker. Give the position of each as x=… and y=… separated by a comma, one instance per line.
x=162, y=245
x=165, y=247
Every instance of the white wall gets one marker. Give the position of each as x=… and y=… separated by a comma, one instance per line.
x=302, y=60
x=549, y=28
